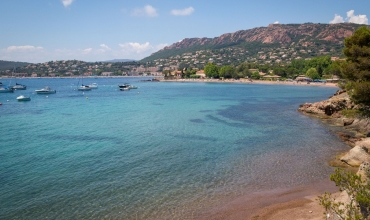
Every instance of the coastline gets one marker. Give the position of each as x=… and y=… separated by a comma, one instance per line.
x=245, y=81
x=291, y=203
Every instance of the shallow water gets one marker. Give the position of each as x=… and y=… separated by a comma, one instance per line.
x=163, y=151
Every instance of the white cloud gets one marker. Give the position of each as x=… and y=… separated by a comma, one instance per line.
x=148, y=11
x=22, y=48
x=351, y=17
x=136, y=47
x=160, y=46
x=67, y=3
x=276, y=22
x=103, y=46
x=87, y=50
x=182, y=12
x=37, y=54
x=337, y=19
x=358, y=19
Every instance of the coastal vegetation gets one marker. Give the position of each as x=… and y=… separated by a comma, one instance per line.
x=322, y=67
x=356, y=70
x=355, y=187
x=357, y=193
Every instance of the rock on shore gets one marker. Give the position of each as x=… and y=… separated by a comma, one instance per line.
x=331, y=112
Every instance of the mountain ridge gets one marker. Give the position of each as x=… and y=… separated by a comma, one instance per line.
x=274, y=35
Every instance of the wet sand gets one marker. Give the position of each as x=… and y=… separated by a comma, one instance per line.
x=295, y=203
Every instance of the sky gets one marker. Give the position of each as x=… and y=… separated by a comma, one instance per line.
x=38, y=31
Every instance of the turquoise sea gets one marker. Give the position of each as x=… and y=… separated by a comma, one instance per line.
x=166, y=150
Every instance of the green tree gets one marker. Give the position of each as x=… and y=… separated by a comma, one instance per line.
x=359, y=194
x=211, y=70
x=319, y=63
x=292, y=72
x=243, y=70
x=312, y=73
x=227, y=72
x=255, y=75
x=333, y=69
x=280, y=71
x=299, y=64
x=356, y=69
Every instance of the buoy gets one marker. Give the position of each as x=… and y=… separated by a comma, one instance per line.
x=87, y=97
x=7, y=100
x=47, y=96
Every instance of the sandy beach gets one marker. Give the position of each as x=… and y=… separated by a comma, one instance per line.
x=279, y=204
x=245, y=81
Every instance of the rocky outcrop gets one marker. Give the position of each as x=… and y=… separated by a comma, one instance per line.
x=331, y=107
x=331, y=111
x=359, y=154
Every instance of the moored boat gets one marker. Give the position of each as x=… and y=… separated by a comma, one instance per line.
x=19, y=87
x=93, y=85
x=124, y=87
x=23, y=98
x=84, y=88
x=45, y=90
x=6, y=90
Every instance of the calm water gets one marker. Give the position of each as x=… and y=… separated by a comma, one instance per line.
x=163, y=151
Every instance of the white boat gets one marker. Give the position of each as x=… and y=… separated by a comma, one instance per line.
x=6, y=90
x=124, y=87
x=19, y=87
x=132, y=87
x=45, y=90
x=83, y=88
x=23, y=98
x=93, y=85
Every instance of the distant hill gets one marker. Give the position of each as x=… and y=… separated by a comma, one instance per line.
x=7, y=65
x=117, y=60
x=262, y=44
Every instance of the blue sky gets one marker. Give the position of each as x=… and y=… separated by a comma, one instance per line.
x=39, y=31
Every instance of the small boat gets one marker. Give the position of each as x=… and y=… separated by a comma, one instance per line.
x=124, y=87
x=93, y=85
x=45, y=90
x=132, y=87
x=19, y=87
x=84, y=88
x=23, y=98
x=6, y=90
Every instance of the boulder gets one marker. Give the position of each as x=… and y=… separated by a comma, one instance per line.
x=357, y=155
x=349, y=139
x=364, y=171
x=348, y=121
x=330, y=107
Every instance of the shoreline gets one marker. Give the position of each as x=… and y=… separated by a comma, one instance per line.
x=245, y=81
x=290, y=203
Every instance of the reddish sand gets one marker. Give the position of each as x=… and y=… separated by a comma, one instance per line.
x=297, y=203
